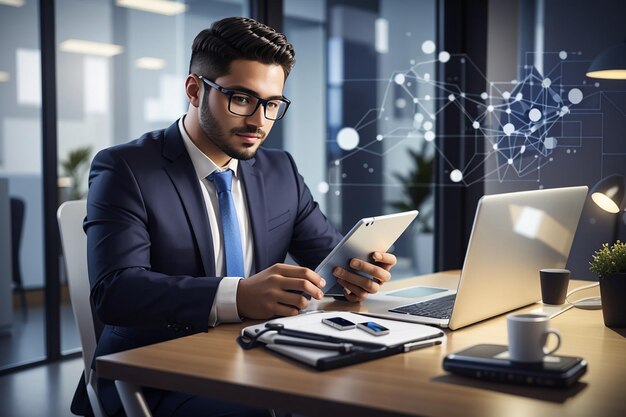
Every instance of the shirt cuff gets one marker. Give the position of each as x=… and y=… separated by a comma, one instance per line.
x=224, y=309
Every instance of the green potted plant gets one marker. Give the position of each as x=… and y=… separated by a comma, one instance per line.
x=74, y=168
x=609, y=262
x=416, y=190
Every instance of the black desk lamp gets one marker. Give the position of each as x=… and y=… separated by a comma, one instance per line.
x=608, y=194
x=609, y=64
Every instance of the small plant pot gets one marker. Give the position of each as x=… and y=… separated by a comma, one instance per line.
x=613, y=292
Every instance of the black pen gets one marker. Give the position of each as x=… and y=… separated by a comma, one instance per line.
x=339, y=347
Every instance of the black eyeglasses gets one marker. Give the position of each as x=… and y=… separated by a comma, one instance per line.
x=245, y=104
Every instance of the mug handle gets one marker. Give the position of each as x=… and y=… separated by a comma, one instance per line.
x=558, y=341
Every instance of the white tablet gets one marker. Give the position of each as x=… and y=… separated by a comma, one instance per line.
x=373, y=234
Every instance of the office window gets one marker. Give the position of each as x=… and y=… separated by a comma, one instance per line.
x=364, y=96
x=121, y=73
x=22, y=312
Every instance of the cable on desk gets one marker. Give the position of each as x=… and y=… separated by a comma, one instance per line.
x=588, y=303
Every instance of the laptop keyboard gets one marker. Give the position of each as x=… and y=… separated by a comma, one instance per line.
x=439, y=308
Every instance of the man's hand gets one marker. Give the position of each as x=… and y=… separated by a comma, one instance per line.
x=355, y=287
x=266, y=294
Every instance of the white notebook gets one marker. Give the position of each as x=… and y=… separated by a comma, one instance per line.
x=402, y=337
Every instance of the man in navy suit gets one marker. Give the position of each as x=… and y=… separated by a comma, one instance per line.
x=156, y=249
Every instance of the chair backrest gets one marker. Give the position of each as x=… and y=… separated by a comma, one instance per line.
x=70, y=216
x=17, y=227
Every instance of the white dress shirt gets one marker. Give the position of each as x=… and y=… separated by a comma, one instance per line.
x=224, y=307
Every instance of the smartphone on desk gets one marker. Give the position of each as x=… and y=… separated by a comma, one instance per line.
x=490, y=362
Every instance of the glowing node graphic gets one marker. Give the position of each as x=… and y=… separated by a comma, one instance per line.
x=495, y=146
x=427, y=97
x=428, y=125
x=506, y=95
x=490, y=108
x=508, y=111
x=519, y=96
x=564, y=110
x=534, y=114
x=550, y=143
x=444, y=57
x=546, y=83
x=563, y=55
x=401, y=103
x=379, y=137
x=429, y=136
x=347, y=138
x=522, y=149
x=484, y=96
x=337, y=193
x=510, y=161
x=451, y=97
x=508, y=129
x=419, y=117
x=575, y=96
x=415, y=100
x=475, y=125
x=399, y=79
x=426, y=76
x=456, y=176
x=323, y=187
x=428, y=47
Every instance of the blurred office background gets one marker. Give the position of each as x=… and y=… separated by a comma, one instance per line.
x=390, y=98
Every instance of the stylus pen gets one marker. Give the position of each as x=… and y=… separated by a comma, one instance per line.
x=421, y=344
x=339, y=347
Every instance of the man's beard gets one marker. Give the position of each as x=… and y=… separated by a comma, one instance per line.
x=213, y=131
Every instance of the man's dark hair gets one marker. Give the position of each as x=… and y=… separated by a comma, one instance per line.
x=235, y=38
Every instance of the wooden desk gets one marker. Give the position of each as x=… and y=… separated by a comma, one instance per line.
x=213, y=365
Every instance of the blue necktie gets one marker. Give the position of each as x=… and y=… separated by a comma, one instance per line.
x=230, y=226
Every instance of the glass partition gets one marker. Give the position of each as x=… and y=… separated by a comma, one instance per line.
x=364, y=101
x=22, y=313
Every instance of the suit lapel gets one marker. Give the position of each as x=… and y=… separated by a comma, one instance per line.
x=181, y=172
x=255, y=197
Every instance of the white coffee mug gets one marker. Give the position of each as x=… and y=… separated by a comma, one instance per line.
x=528, y=334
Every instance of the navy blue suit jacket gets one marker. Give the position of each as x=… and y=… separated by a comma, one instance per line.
x=150, y=251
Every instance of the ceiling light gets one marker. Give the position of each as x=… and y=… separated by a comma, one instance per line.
x=90, y=48
x=4, y=76
x=609, y=64
x=14, y=3
x=165, y=7
x=150, y=63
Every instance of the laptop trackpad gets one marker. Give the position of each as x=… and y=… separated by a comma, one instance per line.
x=416, y=292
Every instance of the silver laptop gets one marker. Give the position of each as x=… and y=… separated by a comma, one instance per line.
x=514, y=236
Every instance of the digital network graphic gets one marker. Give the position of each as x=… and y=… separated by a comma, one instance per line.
x=525, y=123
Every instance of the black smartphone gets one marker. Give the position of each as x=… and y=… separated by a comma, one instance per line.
x=373, y=328
x=339, y=323
x=490, y=362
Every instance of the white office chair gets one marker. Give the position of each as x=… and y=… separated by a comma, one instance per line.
x=70, y=216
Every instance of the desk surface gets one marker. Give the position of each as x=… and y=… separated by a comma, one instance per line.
x=414, y=383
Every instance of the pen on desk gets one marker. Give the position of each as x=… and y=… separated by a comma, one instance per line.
x=421, y=344
x=339, y=347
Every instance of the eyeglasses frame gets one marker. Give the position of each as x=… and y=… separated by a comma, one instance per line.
x=260, y=101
